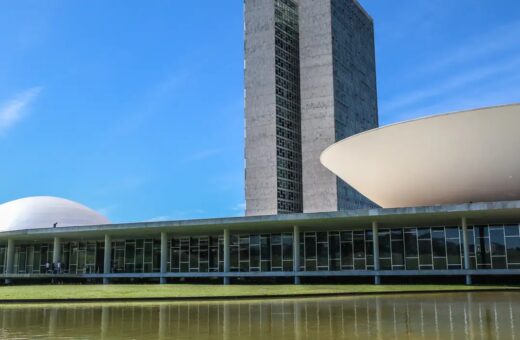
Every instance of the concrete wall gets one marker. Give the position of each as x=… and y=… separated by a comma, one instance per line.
x=260, y=108
x=338, y=90
x=317, y=104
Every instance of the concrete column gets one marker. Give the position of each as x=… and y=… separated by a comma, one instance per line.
x=107, y=260
x=164, y=255
x=296, y=254
x=10, y=259
x=465, y=247
x=56, y=254
x=226, y=255
x=375, y=243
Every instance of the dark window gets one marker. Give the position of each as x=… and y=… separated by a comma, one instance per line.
x=410, y=241
x=276, y=255
x=310, y=248
x=512, y=230
x=384, y=244
x=438, y=243
x=425, y=252
x=397, y=253
x=423, y=233
x=346, y=254
x=334, y=247
x=498, y=246
x=453, y=250
x=452, y=232
x=513, y=249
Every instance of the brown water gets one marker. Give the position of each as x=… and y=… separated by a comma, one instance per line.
x=424, y=316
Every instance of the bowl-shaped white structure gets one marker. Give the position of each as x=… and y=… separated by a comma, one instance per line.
x=469, y=156
x=44, y=211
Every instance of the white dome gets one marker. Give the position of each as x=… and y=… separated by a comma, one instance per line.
x=44, y=212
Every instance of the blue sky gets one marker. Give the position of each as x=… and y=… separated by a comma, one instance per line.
x=135, y=108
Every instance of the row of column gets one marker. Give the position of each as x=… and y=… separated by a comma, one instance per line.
x=164, y=254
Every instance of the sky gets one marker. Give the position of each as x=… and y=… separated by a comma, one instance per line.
x=135, y=108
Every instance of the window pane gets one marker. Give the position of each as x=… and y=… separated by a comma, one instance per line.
x=499, y=262
x=310, y=248
x=323, y=254
x=412, y=264
x=385, y=264
x=497, y=242
x=346, y=236
x=287, y=244
x=346, y=254
x=322, y=236
x=397, y=253
x=481, y=231
x=452, y=232
x=334, y=247
x=512, y=230
x=233, y=253
x=410, y=245
x=384, y=244
x=482, y=251
x=425, y=252
x=438, y=243
x=423, y=233
x=255, y=256
x=277, y=255
x=265, y=248
x=439, y=263
x=453, y=249
x=513, y=249
x=359, y=249
x=360, y=264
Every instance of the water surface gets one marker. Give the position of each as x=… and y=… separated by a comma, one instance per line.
x=483, y=315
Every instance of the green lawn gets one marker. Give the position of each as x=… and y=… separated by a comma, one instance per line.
x=64, y=292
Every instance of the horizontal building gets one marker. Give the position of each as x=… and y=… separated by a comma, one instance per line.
x=465, y=240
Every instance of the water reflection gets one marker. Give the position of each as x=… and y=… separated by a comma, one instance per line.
x=432, y=316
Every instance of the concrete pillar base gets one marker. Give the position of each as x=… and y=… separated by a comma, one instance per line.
x=377, y=280
x=162, y=280
x=297, y=280
x=468, y=279
x=226, y=281
x=106, y=281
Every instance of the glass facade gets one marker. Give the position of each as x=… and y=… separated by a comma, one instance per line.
x=495, y=246
x=31, y=259
x=196, y=254
x=136, y=256
x=288, y=112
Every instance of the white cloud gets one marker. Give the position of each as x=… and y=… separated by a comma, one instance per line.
x=159, y=219
x=499, y=40
x=401, y=107
x=13, y=111
x=204, y=154
x=240, y=209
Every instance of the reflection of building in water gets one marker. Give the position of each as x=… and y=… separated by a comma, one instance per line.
x=432, y=316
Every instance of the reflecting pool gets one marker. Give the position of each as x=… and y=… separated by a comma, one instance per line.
x=425, y=316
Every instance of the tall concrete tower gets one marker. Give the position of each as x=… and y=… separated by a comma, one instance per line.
x=338, y=91
x=309, y=81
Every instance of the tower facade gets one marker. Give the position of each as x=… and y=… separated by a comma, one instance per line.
x=309, y=81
